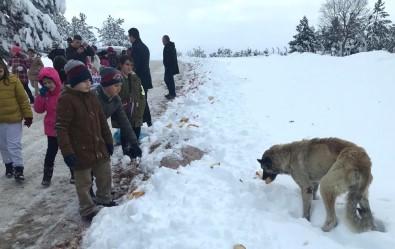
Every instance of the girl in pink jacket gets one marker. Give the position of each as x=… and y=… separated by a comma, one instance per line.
x=46, y=101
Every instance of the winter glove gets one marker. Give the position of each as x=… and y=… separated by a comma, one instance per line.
x=110, y=148
x=43, y=91
x=70, y=161
x=19, y=68
x=135, y=151
x=28, y=122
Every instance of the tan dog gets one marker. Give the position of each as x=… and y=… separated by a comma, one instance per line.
x=338, y=166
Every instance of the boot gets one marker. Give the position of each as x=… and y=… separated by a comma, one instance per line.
x=18, y=173
x=48, y=171
x=9, y=170
x=72, y=181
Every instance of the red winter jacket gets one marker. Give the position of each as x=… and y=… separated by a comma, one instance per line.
x=48, y=103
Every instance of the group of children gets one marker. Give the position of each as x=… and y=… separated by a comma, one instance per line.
x=76, y=123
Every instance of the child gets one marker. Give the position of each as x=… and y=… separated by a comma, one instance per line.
x=107, y=92
x=84, y=139
x=35, y=66
x=14, y=106
x=131, y=91
x=19, y=64
x=51, y=87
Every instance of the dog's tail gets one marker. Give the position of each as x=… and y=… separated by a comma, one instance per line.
x=358, y=213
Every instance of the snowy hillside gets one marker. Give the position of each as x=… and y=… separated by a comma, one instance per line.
x=240, y=108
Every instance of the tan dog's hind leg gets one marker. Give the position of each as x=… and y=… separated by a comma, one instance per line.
x=307, y=197
x=331, y=185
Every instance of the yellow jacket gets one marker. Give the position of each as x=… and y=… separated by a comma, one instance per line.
x=14, y=103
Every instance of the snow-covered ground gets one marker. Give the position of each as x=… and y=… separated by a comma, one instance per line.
x=236, y=109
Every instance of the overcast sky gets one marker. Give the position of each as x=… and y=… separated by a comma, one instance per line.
x=210, y=24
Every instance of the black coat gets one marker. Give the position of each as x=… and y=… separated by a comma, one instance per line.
x=170, y=58
x=112, y=107
x=141, y=57
x=56, y=52
x=72, y=54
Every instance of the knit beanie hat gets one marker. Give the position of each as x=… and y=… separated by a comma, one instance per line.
x=16, y=49
x=76, y=72
x=110, y=76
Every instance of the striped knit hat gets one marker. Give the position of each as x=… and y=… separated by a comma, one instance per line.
x=76, y=72
x=110, y=76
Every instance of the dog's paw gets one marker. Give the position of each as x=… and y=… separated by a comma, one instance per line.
x=329, y=225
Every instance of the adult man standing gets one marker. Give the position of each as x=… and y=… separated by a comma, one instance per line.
x=141, y=57
x=79, y=50
x=171, y=65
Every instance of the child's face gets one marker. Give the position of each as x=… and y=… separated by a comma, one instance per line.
x=113, y=90
x=84, y=86
x=1, y=72
x=30, y=54
x=127, y=67
x=49, y=83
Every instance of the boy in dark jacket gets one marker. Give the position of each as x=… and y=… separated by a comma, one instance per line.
x=85, y=139
x=107, y=92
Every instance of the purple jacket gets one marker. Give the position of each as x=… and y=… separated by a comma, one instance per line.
x=48, y=103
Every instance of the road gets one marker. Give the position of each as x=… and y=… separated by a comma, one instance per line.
x=37, y=217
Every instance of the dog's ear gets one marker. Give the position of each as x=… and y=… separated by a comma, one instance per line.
x=266, y=162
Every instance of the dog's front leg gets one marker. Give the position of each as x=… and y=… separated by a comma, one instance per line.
x=307, y=197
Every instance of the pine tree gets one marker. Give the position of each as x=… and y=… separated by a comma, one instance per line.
x=330, y=37
x=305, y=39
x=111, y=34
x=391, y=39
x=64, y=27
x=379, y=30
x=29, y=23
x=79, y=26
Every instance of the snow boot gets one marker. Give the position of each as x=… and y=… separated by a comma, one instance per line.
x=9, y=170
x=110, y=204
x=48, y=171
x=18, y=173
x=72, y=180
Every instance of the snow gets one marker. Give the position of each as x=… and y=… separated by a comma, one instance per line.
x=238, y=108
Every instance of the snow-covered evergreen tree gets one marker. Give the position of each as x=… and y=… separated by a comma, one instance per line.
x=29, y=23
x=391, y=43
x=79, y=26
x=112, y=34
x=330, y=37
x=305, y=39
x=64, y=27
x=378, y=35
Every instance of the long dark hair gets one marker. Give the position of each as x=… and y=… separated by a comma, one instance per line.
x=122, y=59
x=6, y=73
